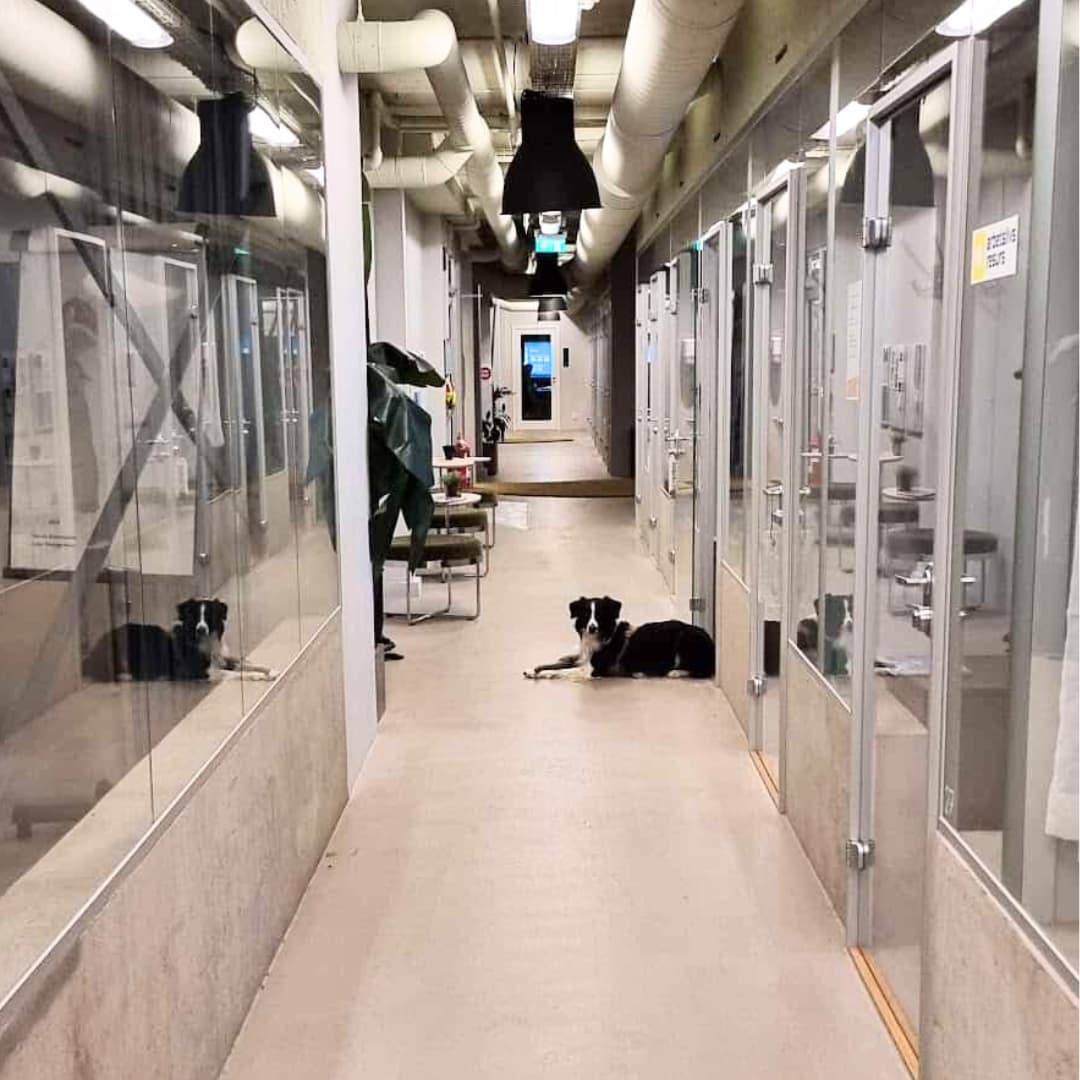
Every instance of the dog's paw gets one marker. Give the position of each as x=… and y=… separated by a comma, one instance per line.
x=530, y=674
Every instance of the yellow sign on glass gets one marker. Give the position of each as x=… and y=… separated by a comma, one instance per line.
x=993, y=250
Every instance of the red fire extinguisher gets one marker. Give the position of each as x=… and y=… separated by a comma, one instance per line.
x=463, y=450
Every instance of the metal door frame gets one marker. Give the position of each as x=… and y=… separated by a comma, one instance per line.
x=243, y=426
x=706, y=551
x=680, y=442
x=953, y=63
x=791, y=183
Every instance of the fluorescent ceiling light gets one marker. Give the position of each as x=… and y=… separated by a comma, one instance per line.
x=553, y=22
x=974, y=16
x=128, y=20
x=847, y=119
x=266, y=129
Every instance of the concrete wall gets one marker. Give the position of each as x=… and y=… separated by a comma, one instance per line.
x=159, y=979
x=623, y=277
x=818, y=757
x=991, y=1007
x=733, y=642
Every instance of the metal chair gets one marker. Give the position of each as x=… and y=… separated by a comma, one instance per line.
x=447, y=550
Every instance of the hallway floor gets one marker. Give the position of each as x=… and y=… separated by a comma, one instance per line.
x=559, y=878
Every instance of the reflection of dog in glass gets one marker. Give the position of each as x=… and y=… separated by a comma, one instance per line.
x=839, y=622
x=194, y=646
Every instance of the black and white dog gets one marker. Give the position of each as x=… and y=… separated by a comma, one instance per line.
x=194, y=646
x=839, y=624
x=611, y=647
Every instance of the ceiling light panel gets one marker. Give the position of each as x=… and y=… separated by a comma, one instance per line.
x=553, y=22
x=126, y=18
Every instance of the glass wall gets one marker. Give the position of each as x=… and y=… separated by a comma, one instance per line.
x=1011, y=721
x=166, y=497
x=740, y=403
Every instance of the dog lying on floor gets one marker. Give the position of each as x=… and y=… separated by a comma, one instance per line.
x=610, y=647
x=195, y=645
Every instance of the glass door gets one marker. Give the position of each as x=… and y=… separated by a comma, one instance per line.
x=1008, y=588
x=773, y=275
x=641, y=412
x=908, y=357
x=654, y=444
x=667, y=361
x=707, y=329
x=683, y=434
x=535, y=379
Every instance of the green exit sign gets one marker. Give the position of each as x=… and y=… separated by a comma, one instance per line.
x=550, y=245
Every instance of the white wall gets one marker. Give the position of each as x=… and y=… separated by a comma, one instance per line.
x=573, y=381
x=348, y=343
x=410, y=287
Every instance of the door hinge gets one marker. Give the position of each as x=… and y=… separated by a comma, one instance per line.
x=671, y=555
x=762, y=273
x=697, y=603
x=876, y=233
x=859, y=853
x=755, y=686
x=700, y=294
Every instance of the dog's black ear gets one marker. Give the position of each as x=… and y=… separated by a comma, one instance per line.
x=183, y=610
x=219, y=610
x=579, y=607
x=851, y=602
x=611, y=608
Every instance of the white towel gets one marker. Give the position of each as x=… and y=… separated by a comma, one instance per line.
x=1063, y=802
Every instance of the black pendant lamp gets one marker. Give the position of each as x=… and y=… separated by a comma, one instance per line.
x=548, y=279
x=549, y=171
x=225, y=176
x=912, y=177
x=549, y=307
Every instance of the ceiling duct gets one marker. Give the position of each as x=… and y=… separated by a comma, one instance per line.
x=549, y=171
x=430, y=41
x=418, y=170
x=226, y=177
x=670, y=45
x=548, y=279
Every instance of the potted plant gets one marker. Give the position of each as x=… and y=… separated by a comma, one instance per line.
x=493, y=429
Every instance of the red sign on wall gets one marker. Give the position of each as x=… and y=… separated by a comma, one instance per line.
x=485, y=374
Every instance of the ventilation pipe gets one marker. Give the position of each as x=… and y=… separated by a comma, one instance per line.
x=418, y=170
x=430, y=41
x=371, y=118
x=670, y=45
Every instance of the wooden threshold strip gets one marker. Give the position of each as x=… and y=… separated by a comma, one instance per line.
x=896, y=1022
x=759, y=764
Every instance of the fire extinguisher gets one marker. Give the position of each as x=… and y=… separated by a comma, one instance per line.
x=463, y=450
